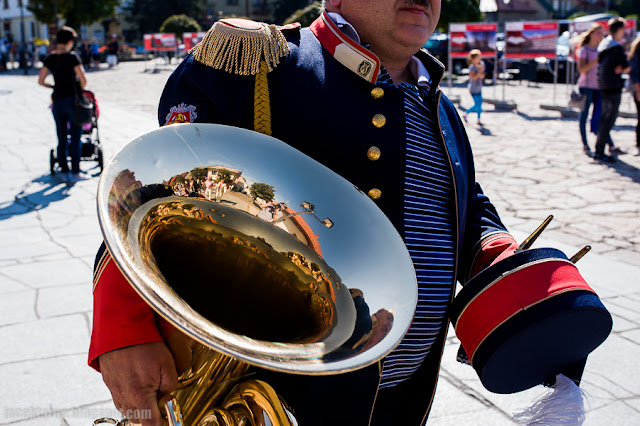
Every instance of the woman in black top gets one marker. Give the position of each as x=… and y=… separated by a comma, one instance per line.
x=69, y=79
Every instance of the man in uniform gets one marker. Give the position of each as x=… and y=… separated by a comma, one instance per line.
x=356, y=93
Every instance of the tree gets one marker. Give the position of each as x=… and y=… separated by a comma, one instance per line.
x=179, y=24
x=199, y=173
x=628, y=8
x=459, y=11
x=262, y=190
x=224, y=176
x=74, y=12
x=307, y=15
x=284, y=8
x=148, y=15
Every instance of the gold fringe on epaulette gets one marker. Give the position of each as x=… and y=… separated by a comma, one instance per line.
x=240, y=51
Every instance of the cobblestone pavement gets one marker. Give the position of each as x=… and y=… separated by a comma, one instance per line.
x=529, y=161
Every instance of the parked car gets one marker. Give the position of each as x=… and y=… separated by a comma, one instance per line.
x=438, y=46
x=546, y=67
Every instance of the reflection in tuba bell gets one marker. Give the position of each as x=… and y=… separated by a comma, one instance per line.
x=261, y=257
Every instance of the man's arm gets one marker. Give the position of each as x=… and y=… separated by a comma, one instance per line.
x=134, y=349
x=120, y=317
x=485, y=239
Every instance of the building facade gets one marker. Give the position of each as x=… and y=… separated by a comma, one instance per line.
x=18, y=24
x=258, y=10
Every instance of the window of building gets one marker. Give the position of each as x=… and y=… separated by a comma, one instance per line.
x=6, y=4
x=232, y=2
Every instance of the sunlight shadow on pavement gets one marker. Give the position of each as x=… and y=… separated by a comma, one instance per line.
x=36, y=195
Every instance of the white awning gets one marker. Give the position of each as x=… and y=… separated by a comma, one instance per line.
x=488, y=6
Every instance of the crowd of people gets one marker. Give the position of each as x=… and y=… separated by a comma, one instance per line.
x=16, y=54
x=605, y=70
x=210, y=188
x=601, y=62
x=28, y=55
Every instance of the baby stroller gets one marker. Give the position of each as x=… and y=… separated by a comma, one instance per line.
x=90, y=148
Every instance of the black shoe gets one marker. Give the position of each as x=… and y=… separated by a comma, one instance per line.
x=588, y=151
x=604, y=158
x=616, y=150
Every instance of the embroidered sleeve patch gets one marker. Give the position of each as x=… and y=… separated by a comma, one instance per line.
x=182, y=113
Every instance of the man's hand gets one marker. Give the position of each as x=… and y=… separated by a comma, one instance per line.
x=138, y=376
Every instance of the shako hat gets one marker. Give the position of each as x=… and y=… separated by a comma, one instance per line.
x=528, y=318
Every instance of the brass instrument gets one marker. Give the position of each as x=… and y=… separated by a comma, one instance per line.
x=259, y=269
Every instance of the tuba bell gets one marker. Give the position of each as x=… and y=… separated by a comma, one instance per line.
x=260, y=257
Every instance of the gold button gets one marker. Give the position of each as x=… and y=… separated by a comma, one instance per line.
x=377, y=93
x=374, y=193
x=379, y=120
x=373, y=153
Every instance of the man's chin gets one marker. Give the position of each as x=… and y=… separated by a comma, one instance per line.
x=414, y=37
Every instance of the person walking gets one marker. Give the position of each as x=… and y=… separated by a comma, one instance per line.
x=588, y=80
x=634, y=78
x=94, y=50
x=4, y=54
x=612, y=63
x=208, y=184
x=113, y=48
x=69, y=79
x=476, y=77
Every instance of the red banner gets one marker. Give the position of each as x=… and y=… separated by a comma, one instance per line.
x=191, y=39
x=160, y=42
x=531, y=39
x=466, y=37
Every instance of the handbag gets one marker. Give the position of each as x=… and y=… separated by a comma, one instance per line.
x=577, y=100
x=83, y=110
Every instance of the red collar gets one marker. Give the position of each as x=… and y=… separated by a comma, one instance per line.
x=346, y=51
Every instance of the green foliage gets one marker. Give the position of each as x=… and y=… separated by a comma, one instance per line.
x=179, y=24
x=283, y=9
x=577, y=15
x=199, y=173
x=307, y=15
x=225, y=176
x=459, y=11
x=148, y=15
x=627, y=7
x=74, y=12
x=262, y=190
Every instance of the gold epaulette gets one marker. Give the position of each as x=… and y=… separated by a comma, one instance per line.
x=238, y=46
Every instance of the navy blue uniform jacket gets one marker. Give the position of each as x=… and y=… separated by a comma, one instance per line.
x=325, y=110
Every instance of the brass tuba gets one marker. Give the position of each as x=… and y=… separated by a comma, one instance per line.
x=260, y=256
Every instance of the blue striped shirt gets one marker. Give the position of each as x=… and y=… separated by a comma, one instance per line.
x=429, y=222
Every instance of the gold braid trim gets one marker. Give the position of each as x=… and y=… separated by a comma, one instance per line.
x=239, y=47
x=261, y=103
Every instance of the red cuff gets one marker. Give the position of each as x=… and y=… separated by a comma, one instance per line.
x=120, y=317
x=493, y=249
